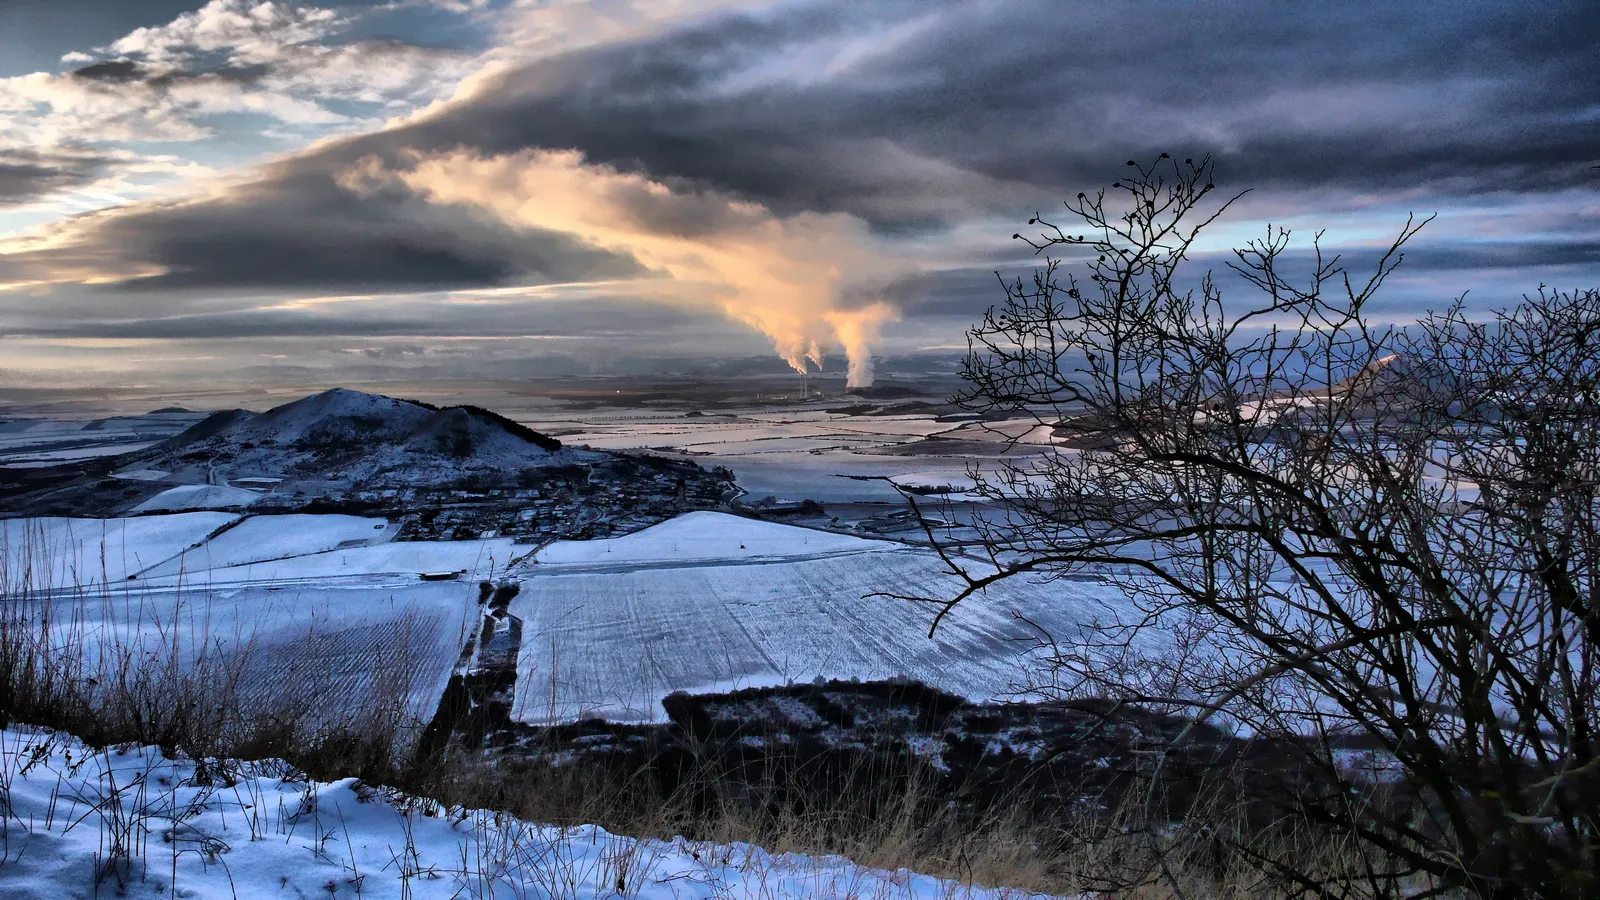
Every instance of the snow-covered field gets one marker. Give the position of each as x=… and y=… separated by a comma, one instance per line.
x=53, y=553
x=26, y=443
x=81, y=824
x=706, y=601
x=701, y=537
x=800, y=453
x=612, y=637
x=383, y=564
x=285, y=597
x=262, y=538
x=198, y=496
x=335, y=647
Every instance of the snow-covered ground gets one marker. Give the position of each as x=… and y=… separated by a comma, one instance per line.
x=612, y=637
x=198, y=496
x=800, y=452
x=259, y=594
x=332, y=646
x=79, y=823
x=704, y=537
x=56, y=553
x=262, y=538
x=383, y=563
x=704, y=602
x=26, y=443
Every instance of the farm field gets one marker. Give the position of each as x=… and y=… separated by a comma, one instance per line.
x=263, y=538
x=40, y=442
x=198, y=496
x=60, y=553
x=328, y=645
x=706, y=601
x=383, y=563
x=612, y=641
x=256, y=599
x=808, y=451
x=701, y=537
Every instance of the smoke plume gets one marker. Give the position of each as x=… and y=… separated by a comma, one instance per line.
x=780, y=275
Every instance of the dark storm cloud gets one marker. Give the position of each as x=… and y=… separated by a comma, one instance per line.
x=122, y=72
x=948, y=111
x=1549, y=254
x=117, y=70
x=1041, y=96
x=27, y=175
x=303, y=230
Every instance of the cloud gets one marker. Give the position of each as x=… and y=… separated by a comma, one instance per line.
x=343, y=321
x=279, y=60
x=28, y=175
x=245, y=29
x=784, y=276
x=301, y=233
x=764, y=161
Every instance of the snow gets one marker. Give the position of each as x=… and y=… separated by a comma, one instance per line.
x=336, y=647
x=476, y=559
x=166, y=551
x=334, y=643
x=52, y=457
x=198, y=496
x=612, y=641
x=706, y=536
x=823, y=476
x=263, y=538
x=273, y=833
x=61, y=554
x=404, y=442
x=142, y=475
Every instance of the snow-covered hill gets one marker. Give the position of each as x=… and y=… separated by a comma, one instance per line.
x=704, y=538
x=354, y=436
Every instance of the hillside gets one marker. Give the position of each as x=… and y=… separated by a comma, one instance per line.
x=266, y=830
x=349, y=435
x=455, y=472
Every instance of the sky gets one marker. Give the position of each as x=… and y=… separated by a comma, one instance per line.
x=212, y=191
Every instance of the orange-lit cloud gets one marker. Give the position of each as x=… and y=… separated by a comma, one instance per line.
x=780, y=275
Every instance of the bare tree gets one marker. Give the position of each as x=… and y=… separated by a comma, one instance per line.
x=1331, y=534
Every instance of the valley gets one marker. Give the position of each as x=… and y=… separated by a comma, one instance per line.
x=653, y=550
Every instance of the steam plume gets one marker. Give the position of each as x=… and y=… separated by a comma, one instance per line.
x=779, y=275
x=858, y=331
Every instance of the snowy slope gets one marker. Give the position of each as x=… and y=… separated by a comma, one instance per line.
x=59, y=554
x=351, y=435
x=271, y=834
x=614, y=640
x=196, y=496
x=261, y=538
x=705, y=536
x=330, y=644
x=477, y=559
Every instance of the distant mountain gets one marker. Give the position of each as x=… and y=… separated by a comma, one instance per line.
x=449, y=473
x=357, y=436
